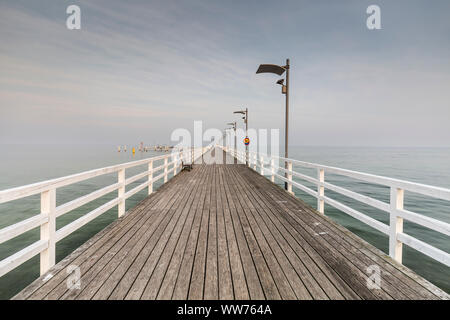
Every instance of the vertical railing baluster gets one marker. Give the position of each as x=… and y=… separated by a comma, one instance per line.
x=396, y=224
x=320, y=190
x=165, y=169
x=272, y=170
x=261, y=161
x=254, y=161
x=289, y=176
x=121, y=192
x=175, y=161
x=48, y=230
x=150, y=177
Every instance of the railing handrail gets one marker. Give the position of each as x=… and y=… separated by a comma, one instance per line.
x=35, y=188
x=395, y=208
x=46, y=220
x=424, y=189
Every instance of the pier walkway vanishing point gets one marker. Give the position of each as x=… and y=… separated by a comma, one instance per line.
x=223, y=231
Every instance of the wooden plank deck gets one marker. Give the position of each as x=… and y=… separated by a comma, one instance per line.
x=225, y=232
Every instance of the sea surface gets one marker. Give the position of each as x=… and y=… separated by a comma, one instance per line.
x=24, y=164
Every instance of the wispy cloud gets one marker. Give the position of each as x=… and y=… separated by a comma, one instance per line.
x=142, y=68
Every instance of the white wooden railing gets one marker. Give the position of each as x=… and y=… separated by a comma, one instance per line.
x=46, y=220
x=269, y=165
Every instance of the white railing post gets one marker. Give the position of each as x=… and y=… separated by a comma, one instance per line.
x=48, y=229
x=320, y=190
x=175, y=162
x=396, y=224
x=255, y=159
x=121, y=192
x=289, y=176
x=272, y=170
x=165, y=169
x=261, y=161
x=150, y=177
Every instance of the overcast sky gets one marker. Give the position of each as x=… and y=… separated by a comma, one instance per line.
x=137, y=70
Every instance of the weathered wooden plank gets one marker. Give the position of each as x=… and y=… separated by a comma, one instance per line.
x=240, y=288
x=196, y=288
x=178, y=236
x=361, y=261
x=347, y=271
x=396, y=286
x=56, y=274
x=103, y=241
x=125, y=247
x=224, y=232
x=211, y=291
x=98, y=260
x=253, y=281
x=224, y=270
x=313, y=270
x=181, y=290
x=139, y=285
x=168, y=284
x=297, y=285
x=281, y=282
x=121, y=290
x=406, y=281
x=339, y=261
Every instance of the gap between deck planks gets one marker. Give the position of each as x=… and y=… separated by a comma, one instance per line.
x=225, y=232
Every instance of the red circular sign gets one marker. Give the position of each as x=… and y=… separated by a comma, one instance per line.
x=246, y=141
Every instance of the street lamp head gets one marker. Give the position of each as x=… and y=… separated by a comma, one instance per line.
x=271, y=68
x=242, y=112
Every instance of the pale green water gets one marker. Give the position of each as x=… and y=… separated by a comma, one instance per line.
x=21, y=164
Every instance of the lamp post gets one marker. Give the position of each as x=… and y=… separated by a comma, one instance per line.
x=245, y=113
x=279, y=70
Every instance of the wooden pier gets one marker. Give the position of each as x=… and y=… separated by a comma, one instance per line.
x=225, y=232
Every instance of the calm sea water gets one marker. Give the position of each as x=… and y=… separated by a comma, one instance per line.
x=24, y=164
